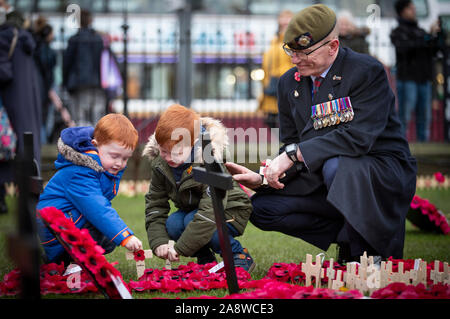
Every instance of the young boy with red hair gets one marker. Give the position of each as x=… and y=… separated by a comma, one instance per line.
x=174, y=150
x=89, y=167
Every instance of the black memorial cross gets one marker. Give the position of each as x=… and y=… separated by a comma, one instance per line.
x=23, y=245
x=219, y=182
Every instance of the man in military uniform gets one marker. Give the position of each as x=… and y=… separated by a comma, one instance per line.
x=354, y=175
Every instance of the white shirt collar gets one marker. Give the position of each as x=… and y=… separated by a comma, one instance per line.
x=323, y=75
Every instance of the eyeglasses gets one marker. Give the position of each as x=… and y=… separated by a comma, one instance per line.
x=299, y=53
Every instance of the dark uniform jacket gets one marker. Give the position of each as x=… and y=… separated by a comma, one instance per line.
x=376, y=176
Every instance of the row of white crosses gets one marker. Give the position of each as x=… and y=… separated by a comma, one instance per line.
x=371, y=277
x=430, y=181
x=140, y=264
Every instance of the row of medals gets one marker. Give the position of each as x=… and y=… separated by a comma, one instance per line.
x=322, y=121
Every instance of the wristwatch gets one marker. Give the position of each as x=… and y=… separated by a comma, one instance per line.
x=291, y=151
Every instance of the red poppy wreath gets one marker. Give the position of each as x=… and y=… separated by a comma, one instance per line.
x=427, y=217
x=84, y=250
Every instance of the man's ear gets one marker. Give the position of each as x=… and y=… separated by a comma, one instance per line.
x=334, y=46
x=94, y=142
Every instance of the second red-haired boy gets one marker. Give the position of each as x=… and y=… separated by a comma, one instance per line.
x=174, y=149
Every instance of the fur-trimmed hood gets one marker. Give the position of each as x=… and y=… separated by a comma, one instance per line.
x=218, y=135
x=75, y=157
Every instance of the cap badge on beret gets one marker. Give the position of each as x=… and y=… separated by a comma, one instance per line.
x=304, y=40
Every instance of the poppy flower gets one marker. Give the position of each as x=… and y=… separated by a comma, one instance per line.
x=51, y=214
x=71, y=237
x=139, y=255
x=94, y=261
x=439, y=177
x=103, y=275
x=297, y=76
x=80, y=251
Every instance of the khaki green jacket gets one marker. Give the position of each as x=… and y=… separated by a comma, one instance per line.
x=189, y=195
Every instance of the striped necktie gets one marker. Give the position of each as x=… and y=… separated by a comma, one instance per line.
x=316, y=85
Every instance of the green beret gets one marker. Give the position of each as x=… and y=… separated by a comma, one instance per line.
x=309, y=26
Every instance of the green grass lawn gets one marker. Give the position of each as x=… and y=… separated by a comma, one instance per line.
x=265, y=247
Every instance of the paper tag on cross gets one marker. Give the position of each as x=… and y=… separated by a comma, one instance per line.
x=140, y=264
x=216, y=268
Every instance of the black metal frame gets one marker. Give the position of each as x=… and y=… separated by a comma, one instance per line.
x=219, y=182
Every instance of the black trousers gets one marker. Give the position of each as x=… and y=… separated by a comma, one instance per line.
x=310, y=218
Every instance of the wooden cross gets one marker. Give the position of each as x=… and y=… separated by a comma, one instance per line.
x=403, y=276
x=331, y=273
x=371, y=268
x=168, y=263
x=311, y=270
x=364, y=263
x=140, y=264
x=436, y=275
x=350, y=276
x=385, y=273
x=338, y=283
x=446, y=273
x=373, y=280
x=421, y=273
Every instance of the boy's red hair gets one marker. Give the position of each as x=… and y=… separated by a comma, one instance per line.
x=118, y=128
x=176, y=116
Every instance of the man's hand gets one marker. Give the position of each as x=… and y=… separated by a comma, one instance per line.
x=134, y=244
x=276, y=170
x=243, y=175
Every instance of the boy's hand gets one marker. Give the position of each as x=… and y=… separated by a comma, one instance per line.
x=173, y=255
x=164, y=252
x=134, y=244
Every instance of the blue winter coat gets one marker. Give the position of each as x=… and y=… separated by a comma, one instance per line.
x=82, y=189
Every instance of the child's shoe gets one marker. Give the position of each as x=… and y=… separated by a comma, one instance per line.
x=244, y=260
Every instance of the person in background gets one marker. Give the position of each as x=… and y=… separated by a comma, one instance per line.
x=10, y=15
x=45, y=58
x=20, y=93
x=274, y=63
x=414, y=49
x=81, y=73
x=350, y=35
